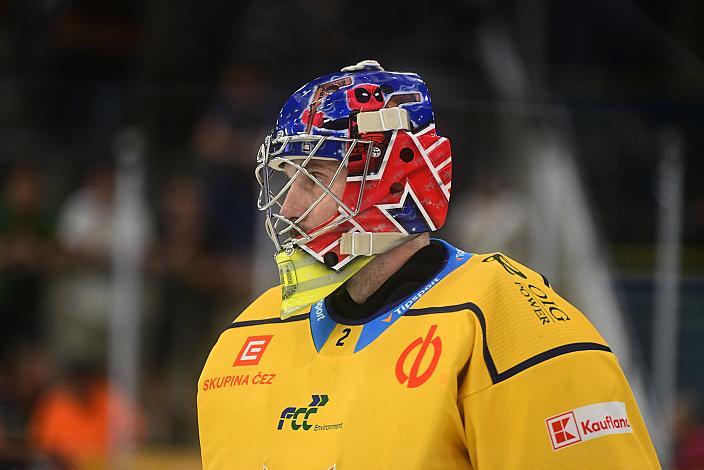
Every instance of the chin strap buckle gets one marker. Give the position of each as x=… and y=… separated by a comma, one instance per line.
x=369, y=244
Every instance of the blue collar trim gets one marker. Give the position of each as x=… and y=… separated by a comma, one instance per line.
x=322, y=324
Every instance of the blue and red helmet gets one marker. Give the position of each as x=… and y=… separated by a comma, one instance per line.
x=379, y=125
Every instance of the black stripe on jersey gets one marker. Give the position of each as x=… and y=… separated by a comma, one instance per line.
x=267, y=321
x=495, y=375
x=488, y=360
x=544, y=356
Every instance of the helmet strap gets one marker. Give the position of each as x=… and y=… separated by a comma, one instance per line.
x=389, y=119
x=368, y=244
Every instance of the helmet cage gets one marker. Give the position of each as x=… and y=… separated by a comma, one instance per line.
x=272, y=158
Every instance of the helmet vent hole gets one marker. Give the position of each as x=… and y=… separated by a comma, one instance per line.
x=396, y=188
x=330, y=259
x=407, y=154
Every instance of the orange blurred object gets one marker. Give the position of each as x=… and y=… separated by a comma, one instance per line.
x=72, y=423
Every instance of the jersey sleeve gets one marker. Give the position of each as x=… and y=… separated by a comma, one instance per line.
x=543, y=389
x=572, y=411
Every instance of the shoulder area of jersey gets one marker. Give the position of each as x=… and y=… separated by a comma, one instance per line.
x=265, y=306
x=492, y=269
x=482, y=276
x=503, y=268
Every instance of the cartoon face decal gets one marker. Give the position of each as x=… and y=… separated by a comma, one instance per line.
x=365, y=97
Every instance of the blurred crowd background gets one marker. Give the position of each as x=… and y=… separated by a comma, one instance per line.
x=561, y=114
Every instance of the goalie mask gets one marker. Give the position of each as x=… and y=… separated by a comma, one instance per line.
x=390, y=179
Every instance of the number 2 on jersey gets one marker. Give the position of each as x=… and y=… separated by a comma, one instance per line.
x=345, y=333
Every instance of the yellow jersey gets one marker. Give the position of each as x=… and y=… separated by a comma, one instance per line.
x=484, y=367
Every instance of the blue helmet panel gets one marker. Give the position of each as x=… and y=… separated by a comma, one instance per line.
x=327, y=106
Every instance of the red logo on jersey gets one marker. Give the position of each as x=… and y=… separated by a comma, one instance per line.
x=413, y=379
x=563, y=430
x=252, y=350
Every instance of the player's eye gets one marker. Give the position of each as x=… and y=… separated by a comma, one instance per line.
x=323, y=177
x=378, y=96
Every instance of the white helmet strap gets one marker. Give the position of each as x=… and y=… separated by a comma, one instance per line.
x=386, y=119
x=368, y=244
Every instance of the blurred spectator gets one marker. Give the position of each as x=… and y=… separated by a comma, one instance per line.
x=73, y=420
x=81, y=297
x=689, y=435
x=92, y=48
x=231, y=128
x=27, y=252
x=85, y=222
x=195, y=283
x=22, y=381
x=695, y=217
x=492, y=217
x=225, y=140
x=268, y=22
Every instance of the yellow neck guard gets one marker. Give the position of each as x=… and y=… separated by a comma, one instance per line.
x=305, y=280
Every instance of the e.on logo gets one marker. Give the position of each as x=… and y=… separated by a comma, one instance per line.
x=252, y=350
x=588, y=422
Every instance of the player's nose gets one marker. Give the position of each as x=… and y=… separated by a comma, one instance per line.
x=295, y=203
